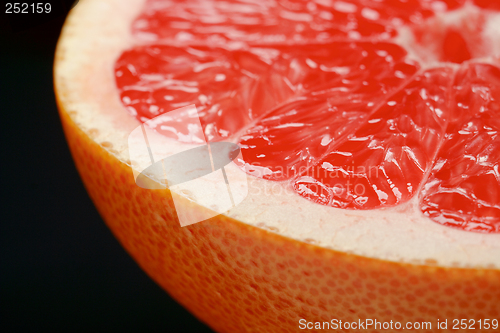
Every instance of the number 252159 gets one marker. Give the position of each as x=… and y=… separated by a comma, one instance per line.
x=27, y=8
x=484, y=324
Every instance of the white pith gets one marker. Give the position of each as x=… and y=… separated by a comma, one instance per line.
x=95, y=35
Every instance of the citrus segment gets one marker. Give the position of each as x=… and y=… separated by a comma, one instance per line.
x=229, y=88
x=340, y=84
x=384, y=161
x=464, y=188
x=232, y=88
x=271, y=22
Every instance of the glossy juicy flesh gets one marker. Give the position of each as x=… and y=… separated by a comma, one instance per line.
x=331, y=97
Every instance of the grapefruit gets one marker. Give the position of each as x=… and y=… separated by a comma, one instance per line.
x=368, y=132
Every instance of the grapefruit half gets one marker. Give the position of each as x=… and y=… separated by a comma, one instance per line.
x=368, y=132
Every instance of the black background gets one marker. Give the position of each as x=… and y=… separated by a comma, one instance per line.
x=61, y=268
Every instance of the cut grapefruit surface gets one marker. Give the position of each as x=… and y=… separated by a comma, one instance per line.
x=326, y=121
x=327, y=99
x=353, y=124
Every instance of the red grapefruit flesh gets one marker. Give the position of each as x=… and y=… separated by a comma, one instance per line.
x=347, y=122
x=464, y=189
x=356, y=142
x=385, y=160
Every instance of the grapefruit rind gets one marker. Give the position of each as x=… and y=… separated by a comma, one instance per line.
x=238, y=278
x=257, y=270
